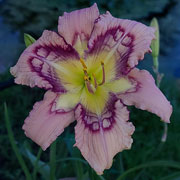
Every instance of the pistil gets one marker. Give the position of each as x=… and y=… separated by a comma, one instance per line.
x=95, y=82
x=103, y=70
x=90, y=87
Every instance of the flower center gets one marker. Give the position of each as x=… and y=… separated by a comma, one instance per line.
x=92, y=84
x=89, y=82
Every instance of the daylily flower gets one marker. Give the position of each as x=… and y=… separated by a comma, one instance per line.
x=88, y=68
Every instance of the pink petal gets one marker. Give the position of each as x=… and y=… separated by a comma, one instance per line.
x=101, y=138
x=44, y=125
x=147, y=96
x=127, y=40
x=79, y=22
x=33, y=67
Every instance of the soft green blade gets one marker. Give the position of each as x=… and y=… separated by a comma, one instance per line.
x=28, y=39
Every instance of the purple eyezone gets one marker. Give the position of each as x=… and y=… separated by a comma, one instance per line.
x=105, y=41
x=52, y=53
x=127, y=40
x=95, y=123
x=119, y=33
x=95, y=126
x=108, y=41
x=47, y=73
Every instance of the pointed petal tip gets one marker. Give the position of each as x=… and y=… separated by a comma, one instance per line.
x=108, y=13
x=94, y=5
x=147, y=95
x=81, y=23
x=167, y=118
x=13, y=70
x=100, y=145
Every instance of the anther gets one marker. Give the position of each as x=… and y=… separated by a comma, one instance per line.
x=85, y=69
x=103, y=70
x=86, y=78
x=83, y=63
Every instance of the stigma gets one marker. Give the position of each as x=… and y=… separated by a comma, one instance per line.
x=91, y=83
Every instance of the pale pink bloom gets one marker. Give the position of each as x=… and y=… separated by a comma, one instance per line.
x=88, y=68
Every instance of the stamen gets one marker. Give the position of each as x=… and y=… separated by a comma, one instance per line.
x=86, y=78
x=85, y=72
x=83, y=63
x=103, y=70
x=95, y=82
x=85, y=69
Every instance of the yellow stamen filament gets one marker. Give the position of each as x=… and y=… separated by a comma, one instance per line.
x=103, y=70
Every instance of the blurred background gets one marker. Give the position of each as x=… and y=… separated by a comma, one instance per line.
x=33, y=16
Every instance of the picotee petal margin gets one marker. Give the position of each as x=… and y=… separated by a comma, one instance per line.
x=125, y=40
x=35, y=68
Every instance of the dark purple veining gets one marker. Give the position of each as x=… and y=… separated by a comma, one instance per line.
x=106, y=121
x=59, y=54
x=102, y=43
x=76, y=34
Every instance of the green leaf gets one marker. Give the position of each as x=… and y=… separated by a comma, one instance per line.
x=78, y=166
x=28, y=39
x=14, y=145
x=171, y=164
x=39, y=165
x=174, y=176
x=52, y=160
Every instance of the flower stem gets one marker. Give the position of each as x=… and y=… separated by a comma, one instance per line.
x=14, y=146
x=53, y=161
x=164, y=136
x=156, y=63
x=155, y=44
x=158, y=83
x=79, y=170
